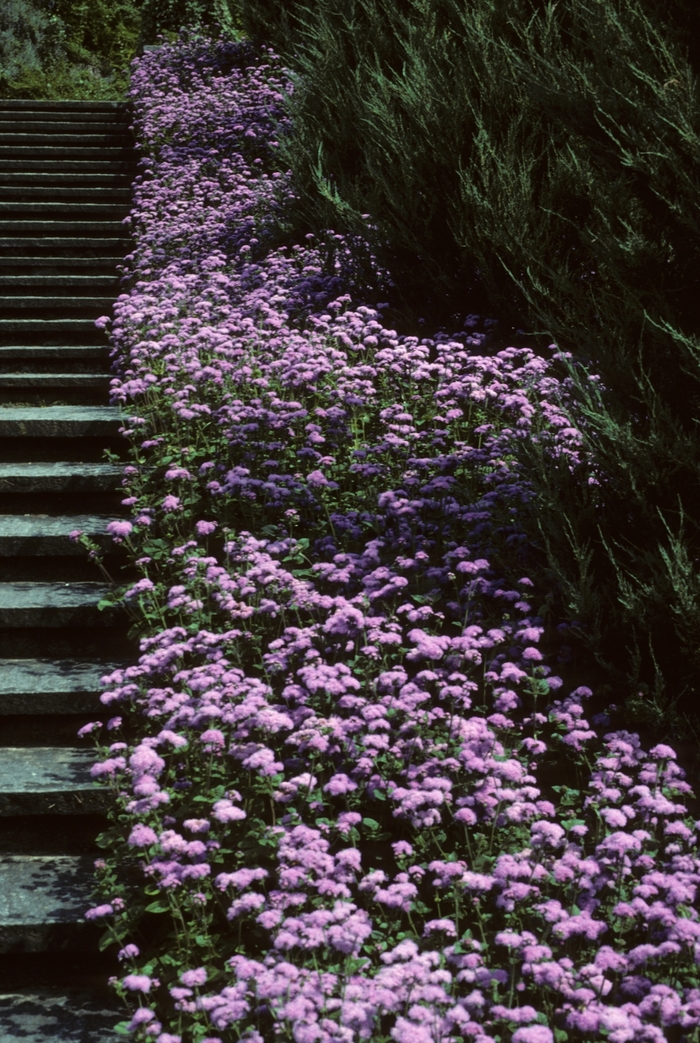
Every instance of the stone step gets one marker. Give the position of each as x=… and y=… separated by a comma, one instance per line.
x=30, y=352
x=46, y=382
x=60, y=180
x=37, y=150
x=54, y=229
x=26, y=604
x=21, y=302
x=67, y=166
x=81, y=193
x=64, y=135
x=49, y=686
x=50, y=246
x=43, y=899
x=59, y=1016
x=46, y=327
x=72, y=248
x=45, y=122
x=84, y=107
x=58, y=477
x=80, y=209
x=68, y=281
x=59, y=421
x=42, y=535
x=48, y=780
x=64, y=267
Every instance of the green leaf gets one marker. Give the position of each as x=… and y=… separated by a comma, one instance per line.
x=157, y=907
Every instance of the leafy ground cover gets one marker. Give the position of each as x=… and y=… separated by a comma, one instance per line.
x=353, y=799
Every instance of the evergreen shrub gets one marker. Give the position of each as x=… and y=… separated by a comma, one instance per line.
x=503, y=163
x=67, y=50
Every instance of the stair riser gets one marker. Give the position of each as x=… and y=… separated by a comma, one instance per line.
x=90, y=181
x=58, y=643
x=42, y=123
x=108, y=152
x=65, y=396
x=48, y=546
x=53, y=938
x=60, y=229
x=68, y=165
x=46, y=382
x=68, y=704
x=62, y=246
x=68, y=282
x=57, y=617
x=51, y=194
x=66, y=136
x=51, y=332
x=41, y=359
x=59, y=210
x=120, y=108
x=70, y=308
x=59, y=484
x=87, y=802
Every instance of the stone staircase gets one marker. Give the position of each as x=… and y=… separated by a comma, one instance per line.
x=66, y=170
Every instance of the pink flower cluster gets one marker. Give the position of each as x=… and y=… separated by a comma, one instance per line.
x=353, y=788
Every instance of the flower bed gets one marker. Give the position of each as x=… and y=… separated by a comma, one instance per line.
x=352, y=801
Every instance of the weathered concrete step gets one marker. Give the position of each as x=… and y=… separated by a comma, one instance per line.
x=64, y=135
x=59, y=1016
x=47, y=381
x=19, y=122
x=46, y=327
x=15, y=302
x=76, y=248
x=43, y=899
x=61, y=179
x=57, y=229
x=41, y=535
x=29, y=352
x=59, y=421
x=64, y=267
x=48, y=780
x=57, y=477
x=82, y=209
x=81, y=193
x=66, y=166
x=68, y=106
x=51, y=686
x=60, y=151
x=67, y=281
x=25, y=604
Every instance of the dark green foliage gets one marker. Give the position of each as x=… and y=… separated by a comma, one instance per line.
x=66, y=49
x=83, y=48
x=169, y=16
x=539, y=162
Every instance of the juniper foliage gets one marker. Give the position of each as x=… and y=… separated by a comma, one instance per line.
x=504, y=163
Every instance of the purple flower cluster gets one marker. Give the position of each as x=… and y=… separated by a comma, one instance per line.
x=353, y=787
